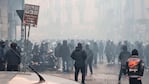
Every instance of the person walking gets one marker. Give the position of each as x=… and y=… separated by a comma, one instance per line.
x=89, y=60
x=79, y=56
x=58, y=55
x=65, y=54
x=123, y=57
x=95, y=52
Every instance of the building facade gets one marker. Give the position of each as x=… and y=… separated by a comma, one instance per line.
x=9, y=18
x=3, y=19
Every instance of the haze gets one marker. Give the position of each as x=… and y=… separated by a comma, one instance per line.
x=84, y=19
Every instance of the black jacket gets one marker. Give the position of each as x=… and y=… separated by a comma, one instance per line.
x=65, y=52
x=2, y=60
x=57, y=51
x=90, y=55
x=79, y=56
x=13, y=57
x=123, y=57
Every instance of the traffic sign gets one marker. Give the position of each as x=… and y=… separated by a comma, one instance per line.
x=20, y=14
x=31, y=15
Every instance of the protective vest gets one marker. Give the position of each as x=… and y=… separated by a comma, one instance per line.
x=133, y=63
x=135, y=67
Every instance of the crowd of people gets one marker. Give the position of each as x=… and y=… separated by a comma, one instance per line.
x=61, y=50
x=10, y=56
x=63, y=54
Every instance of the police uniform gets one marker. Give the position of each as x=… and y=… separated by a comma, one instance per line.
x=134, y=69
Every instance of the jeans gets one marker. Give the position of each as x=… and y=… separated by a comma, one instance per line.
x=90, y=64
x=65, y=65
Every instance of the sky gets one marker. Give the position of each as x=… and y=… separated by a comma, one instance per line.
x=48, y=28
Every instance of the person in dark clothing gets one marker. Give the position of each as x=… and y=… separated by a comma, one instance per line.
x=89, y=60
x=101, y=52
x=95, y=51
x=2, y=58
x=65, y=53
x=79, y=56
x=13, y=58
x=71, y=61
x=35, y=52
x=123, y=57
x=146, y=53
x=134, y=68
x=57, y=54
x=108, y=51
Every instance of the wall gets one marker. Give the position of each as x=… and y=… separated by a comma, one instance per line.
x=3, y=19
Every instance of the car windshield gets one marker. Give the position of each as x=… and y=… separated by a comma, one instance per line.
x=7, y=76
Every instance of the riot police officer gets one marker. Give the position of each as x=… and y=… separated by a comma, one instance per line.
x=135, y=68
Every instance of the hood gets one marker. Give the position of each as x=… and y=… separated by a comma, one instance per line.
x=78, y=49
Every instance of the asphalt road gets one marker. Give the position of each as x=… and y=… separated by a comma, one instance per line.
x=103, y=74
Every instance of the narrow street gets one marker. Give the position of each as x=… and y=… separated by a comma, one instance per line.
x=104, y=74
